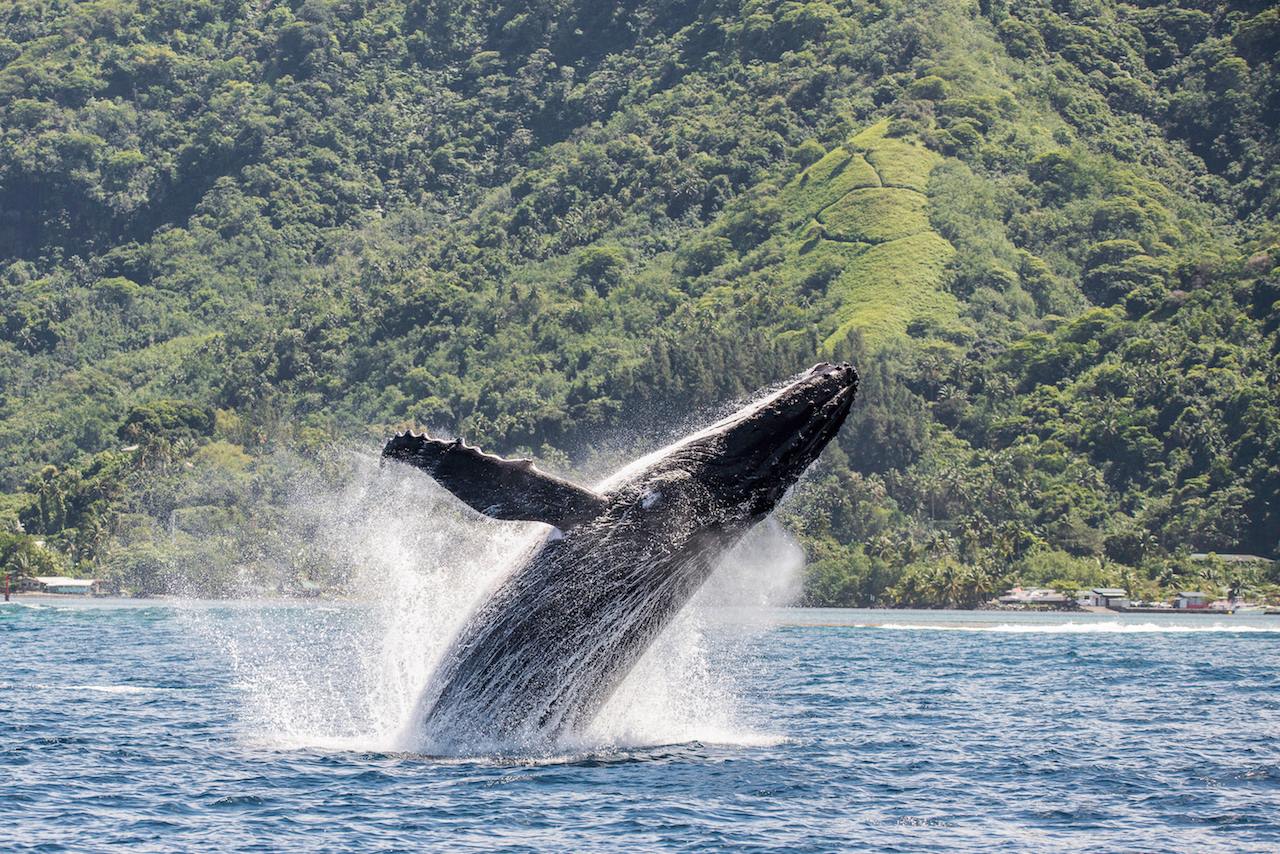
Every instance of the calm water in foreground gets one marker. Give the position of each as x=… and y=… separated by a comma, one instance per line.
x=143, y=726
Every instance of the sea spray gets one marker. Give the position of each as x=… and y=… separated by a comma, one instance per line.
x=685, y=688
x=351, y=674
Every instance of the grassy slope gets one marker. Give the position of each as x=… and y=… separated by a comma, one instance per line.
x=867, y=198
x=855, y=240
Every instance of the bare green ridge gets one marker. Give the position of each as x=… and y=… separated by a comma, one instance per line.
x=860, y=232
x=830, y=179
x=875, y=215
x=888, y=287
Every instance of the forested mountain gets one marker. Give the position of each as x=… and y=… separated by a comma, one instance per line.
x=233, y=233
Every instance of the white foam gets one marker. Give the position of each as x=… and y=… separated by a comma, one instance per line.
x=350, y=677
x=113, y=689
x=1071, y=628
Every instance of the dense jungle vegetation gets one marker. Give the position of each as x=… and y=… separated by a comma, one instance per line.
x=235, y=234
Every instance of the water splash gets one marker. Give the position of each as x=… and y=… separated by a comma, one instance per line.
x=684, y=688
x=689, y=432
x=349, y=675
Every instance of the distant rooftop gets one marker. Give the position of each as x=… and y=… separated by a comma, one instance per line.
x=1043, y=595
x=63, y=581
x=1110, y=591
x=1231, y=558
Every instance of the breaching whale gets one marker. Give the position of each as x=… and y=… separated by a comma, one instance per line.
x=543, y=653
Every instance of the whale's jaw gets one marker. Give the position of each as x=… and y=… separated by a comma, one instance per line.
x=767, y=454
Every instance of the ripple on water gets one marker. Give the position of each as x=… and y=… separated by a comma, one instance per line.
x=932, y=731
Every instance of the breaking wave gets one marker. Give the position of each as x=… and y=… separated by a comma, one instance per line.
x=1074, y=628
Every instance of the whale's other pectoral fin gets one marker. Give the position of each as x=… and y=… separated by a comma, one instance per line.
x=501, y=489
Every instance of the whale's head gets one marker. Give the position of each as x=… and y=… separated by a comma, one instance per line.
x=737, y=470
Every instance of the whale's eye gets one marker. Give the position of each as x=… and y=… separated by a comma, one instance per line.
x=650, y=498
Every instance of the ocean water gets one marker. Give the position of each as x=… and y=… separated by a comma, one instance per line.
x=276, y=726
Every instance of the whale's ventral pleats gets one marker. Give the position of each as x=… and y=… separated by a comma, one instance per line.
x=496, y=487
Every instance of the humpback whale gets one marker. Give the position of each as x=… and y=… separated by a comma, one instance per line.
x=544, y=652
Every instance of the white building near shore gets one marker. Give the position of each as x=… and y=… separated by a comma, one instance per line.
x=1034, y=596
x=1108, y=597
x=63, y=584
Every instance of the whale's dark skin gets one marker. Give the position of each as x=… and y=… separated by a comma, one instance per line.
x=541, y=656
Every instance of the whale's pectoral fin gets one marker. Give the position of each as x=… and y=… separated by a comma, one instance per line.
x=502, y=489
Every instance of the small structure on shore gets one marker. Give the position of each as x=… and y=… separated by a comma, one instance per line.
x=1108, y=597
x=1035, y=596
x=1191, y=599
x=62, y=584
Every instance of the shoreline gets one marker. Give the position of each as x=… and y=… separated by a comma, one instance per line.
x=71, y=598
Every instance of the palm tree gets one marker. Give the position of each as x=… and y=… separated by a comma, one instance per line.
x=1211, y=577
x=1127, y=580
x=950, y=584
x=941, y=544
x=1168, y=575
x=92, y=536
x=882, y=546
x=185, y=448
x=23, y=563
x=1004, y=542
x=50, y=502
x=979, y=583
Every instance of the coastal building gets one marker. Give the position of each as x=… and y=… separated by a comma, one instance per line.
x=1108, y=597
x=1191, y=599
x=62, y=584
x=1046, y=596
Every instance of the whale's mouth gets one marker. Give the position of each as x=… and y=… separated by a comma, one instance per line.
x=817, y=403
x=828, y=394
x=762, y=450
x=834, y=381
x=759, y=428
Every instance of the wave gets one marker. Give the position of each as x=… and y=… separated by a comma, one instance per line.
x=1075, y=628
x=113, y=689
x=568, y=751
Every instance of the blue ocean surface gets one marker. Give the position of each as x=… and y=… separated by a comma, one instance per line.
x=264, y=726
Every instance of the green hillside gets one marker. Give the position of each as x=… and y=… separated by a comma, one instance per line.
x=235, y=235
